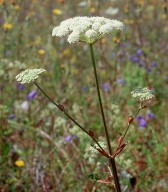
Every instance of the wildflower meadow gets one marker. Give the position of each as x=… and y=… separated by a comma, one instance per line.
x=83, y=96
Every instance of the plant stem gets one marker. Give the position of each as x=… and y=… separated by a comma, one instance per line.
x=112, y=161
x=128, y=126
x=69, y=116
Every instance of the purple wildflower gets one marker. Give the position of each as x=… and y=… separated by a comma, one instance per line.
x=121, y=81
x=139, y=52
x=141, y=65
x=8, y=52
x=113, y=54
x=126, y=44
x=12, y=116
x=142, y=122
x=131, y=57
x=68, y=138
x=139, y=117
x=20, y=86
x=32, y=95
x=106, y=87
x=84, y=88
x=149, y=70
x=134, y=59
x=154, y=64
x=150, y=115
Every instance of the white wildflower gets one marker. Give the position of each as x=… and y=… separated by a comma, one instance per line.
x=86, y=29
x=96, y=25
x=91, y=35
x=83, y=4
x=107, y=28
x=60, y=121
x=60, y=31
x=112, y=11
x=145, y=95
x=25, y=106
x=29, y=75
x=73, y=37
x=102, y=143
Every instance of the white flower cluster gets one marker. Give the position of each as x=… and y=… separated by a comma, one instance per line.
x=86, y=29
x=29, y=75
x=145, y=95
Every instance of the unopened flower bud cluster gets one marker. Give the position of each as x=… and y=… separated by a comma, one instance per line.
x=29, y=75
x=143, y=94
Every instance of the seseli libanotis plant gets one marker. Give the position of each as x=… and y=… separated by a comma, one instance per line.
x=89, y=30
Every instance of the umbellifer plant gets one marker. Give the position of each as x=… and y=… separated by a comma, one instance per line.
x=89, y=30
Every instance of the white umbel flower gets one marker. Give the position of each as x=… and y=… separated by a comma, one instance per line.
x=86, y=29
x=73, y=37
x=145, y=95
x=29, y=75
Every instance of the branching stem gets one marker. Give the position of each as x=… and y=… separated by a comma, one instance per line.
x=69, y=116
x=128, y=126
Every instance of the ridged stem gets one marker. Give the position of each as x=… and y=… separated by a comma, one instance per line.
x=112, y=161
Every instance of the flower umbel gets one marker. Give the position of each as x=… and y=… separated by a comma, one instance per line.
x=29, y=75
x=86, y=29
x=145, y=95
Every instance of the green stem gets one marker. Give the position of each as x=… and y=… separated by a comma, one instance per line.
x=69, y=116
x=112, y=161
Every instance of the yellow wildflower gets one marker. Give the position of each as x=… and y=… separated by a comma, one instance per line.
x=126, y=8
x=92, y=9
x=103, y=73
x=74, y=71
x=7, y=26
x=88, y=79
x=20, y=163
x=73, y=59
x=66, y=52
x=17, y=7
x=131, y=21
x=103, y=41
x=57, y=11
x=116, y=40
x=41, y=51
x=140, y=2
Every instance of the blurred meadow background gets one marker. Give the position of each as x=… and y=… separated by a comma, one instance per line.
x=42, y=150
